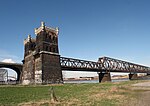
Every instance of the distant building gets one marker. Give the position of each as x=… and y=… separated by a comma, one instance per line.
x=41, y=62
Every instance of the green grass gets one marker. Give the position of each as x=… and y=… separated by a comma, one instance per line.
x=104, y=94
x=16, y=94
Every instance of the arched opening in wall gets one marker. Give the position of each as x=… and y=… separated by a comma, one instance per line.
x=8, y=76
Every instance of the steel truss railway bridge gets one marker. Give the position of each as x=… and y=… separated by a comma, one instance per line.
x=103, y=67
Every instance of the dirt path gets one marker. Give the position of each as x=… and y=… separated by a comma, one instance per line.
x=143, y=84
x=143, y=94
x=143, y=99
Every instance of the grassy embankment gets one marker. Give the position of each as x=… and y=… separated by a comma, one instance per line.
x=103, y=94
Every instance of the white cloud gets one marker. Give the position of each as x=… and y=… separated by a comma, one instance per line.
x=8, y=61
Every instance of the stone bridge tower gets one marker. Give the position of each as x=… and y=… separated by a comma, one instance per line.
x=41, y=64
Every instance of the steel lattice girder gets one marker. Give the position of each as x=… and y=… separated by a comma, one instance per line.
x=103, y=64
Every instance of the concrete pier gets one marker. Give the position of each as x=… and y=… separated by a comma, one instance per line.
x=133, y=76
x=104, y=77
x=148, y=74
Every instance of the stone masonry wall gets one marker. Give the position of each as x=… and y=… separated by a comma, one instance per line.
x=28, y=70
x=38, y=70
x=51, y=68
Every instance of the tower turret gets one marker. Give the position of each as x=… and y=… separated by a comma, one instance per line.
x=46, y=39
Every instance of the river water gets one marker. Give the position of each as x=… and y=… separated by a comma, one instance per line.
x=113, y=80
x=95, y=81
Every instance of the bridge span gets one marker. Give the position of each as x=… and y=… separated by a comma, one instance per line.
x=104, y=64
x=103, y=67
x=17, y=67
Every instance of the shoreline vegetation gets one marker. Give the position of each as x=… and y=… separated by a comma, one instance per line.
x=124, y=93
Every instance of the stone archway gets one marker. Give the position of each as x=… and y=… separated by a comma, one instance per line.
x=14, y=66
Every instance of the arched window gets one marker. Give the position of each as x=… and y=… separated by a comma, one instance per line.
x=50, y=37
x=46, y=36
x=56, y=40
x=46, y=48
x=50, y=49
x=53, y=38
x=53, y=49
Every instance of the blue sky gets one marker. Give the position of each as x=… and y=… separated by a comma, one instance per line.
x=89, y=29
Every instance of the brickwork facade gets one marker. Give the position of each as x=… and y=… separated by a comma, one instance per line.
x=41, y=64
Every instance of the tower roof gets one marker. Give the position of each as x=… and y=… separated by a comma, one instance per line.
x=48, y=29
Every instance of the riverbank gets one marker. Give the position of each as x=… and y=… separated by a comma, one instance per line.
x=95, y=78
x=93, y=94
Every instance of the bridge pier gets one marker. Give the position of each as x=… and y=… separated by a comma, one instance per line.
x=148, y=74
x=104, y=77
x=133, y=76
